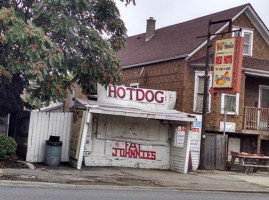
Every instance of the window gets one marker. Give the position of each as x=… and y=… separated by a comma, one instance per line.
x=199, y=92
x=248, y=39
x=230, y=104
x=248, y=42
x=134, y=85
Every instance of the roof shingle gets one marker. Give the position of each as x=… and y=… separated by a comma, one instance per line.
x=172, y=41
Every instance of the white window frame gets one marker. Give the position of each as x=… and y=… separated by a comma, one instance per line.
x=196, y=82
x=236, y=104
x=134, y=85
x=260, y=93
x=245, y=30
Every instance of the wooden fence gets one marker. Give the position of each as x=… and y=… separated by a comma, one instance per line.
x=44, y=124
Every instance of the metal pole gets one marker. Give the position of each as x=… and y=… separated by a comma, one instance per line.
x=224, y=125
x=202, y=155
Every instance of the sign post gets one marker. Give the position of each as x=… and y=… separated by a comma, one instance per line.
x=206, y=85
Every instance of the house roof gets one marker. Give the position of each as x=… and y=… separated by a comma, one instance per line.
x=175, y=41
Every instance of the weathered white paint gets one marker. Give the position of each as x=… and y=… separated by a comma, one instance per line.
x=130, y=128
x=167, y=105
x=44, y=124
x=113, y=131
x=179, y=157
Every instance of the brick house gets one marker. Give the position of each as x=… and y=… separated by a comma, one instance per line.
x=172, y=58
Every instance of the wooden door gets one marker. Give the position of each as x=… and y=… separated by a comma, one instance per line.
x=263, y=115
x=215, y=151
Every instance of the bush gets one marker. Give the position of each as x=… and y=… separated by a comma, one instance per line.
x=8, y=147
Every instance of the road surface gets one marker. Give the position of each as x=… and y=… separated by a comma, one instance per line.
x=26, y=193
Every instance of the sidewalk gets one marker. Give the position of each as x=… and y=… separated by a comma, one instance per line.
x=116, y=176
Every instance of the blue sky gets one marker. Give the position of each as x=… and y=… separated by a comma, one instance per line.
x=168, y=12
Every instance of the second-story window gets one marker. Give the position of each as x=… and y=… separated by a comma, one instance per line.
x=248, y=39
x=248, y=42
x=199, y=92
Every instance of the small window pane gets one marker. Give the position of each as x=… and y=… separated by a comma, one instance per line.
x=199, y=103
x=230, y=103
x=201, y=84
x=247, y=38
x=247, y=49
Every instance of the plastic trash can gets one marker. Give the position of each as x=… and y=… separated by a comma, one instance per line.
x=53, y=150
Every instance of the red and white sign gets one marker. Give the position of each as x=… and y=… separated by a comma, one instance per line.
x=137, y=94
x=141, y=98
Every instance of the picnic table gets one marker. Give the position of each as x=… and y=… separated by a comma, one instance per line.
x=248, y=162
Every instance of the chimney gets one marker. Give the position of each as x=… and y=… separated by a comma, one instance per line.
x=150, y=28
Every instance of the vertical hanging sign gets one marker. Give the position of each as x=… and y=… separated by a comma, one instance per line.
x=228, y=66
x=224, y=59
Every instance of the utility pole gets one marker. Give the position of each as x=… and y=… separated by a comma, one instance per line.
x=206, y=84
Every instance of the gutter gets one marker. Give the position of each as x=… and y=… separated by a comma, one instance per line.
x=155, y=61
x=248, y=71
x=256, y=72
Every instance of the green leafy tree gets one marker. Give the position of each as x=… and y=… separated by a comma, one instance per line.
x=48, y=45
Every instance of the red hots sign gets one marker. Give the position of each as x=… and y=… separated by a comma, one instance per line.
x=137, y=94
x=228, y=65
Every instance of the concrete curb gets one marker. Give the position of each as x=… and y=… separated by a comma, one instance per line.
x=111, y=187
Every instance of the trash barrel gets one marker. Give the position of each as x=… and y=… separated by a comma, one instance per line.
x=53, y=150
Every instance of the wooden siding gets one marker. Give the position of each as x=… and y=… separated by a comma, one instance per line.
x=162, y=76
x=42, y=125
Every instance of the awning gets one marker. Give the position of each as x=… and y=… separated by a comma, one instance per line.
x=112, y=109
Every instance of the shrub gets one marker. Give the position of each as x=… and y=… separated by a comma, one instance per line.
x=8, y=147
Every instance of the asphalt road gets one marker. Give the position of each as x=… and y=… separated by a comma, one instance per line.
x=26, y=193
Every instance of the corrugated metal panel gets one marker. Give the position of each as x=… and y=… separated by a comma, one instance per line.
x=42, y=125
x=179, y=156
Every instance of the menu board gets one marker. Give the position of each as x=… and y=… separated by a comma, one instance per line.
x=76, y=134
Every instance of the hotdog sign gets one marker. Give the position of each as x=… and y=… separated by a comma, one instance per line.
x=147, y=99
x=224, y=60
x=137, y=94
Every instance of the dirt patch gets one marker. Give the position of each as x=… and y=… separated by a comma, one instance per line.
x=12, y=163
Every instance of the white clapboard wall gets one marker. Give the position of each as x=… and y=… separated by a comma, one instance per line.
x=44, y=124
